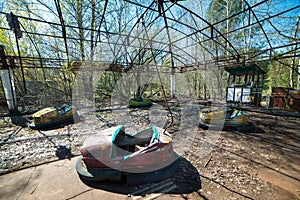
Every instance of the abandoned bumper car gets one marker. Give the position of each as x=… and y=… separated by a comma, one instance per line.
x=224, y=119
x=114, y=155
x=50, y=117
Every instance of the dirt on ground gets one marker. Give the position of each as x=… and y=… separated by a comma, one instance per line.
x=260, y=164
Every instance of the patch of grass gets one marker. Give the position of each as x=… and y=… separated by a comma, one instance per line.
x=133, y=103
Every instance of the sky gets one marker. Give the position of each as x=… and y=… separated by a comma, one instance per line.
x=284, y=23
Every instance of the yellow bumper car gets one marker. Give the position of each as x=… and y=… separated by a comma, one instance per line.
x=228, y=118
x=50, y=117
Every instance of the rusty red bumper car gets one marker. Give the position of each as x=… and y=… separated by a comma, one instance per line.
x=114, y=155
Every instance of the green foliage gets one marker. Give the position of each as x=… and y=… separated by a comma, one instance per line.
x=153, y=91
x=4, y=40
x=133, y=103
x=278, y=75
x=1, y=90
x=106, y=84
x=218, y=10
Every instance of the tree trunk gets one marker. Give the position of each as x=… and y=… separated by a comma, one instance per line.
x=92, y=26
x=244, y=30
x=295, y=52
x=292, y=74
x=298, y=81
x=80, y=26
x=227, y=27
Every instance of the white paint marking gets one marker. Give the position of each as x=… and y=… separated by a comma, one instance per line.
x=154, y=188
x=150, y=187
x=154, y=196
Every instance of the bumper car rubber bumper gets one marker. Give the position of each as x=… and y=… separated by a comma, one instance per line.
x=241, y=128
x=109, y=174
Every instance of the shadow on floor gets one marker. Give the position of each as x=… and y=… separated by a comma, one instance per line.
x=185, y=180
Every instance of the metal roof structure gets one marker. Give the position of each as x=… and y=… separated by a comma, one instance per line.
x=179, y=32
x=244, y=69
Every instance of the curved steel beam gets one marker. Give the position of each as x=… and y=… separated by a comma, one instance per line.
x=101, y=21
x=179, y=22
x=263, y=30
x=64, y=33
x=136, y=23
x=211, y=25
x=168, y=34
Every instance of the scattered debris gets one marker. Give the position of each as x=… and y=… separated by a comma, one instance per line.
x=230, y=170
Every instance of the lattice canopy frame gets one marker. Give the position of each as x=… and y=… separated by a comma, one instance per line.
x=181, y=31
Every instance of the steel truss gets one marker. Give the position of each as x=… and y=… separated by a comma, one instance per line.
x=220, y=50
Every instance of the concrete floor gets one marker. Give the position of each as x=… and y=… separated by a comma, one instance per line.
x=56, y=180
x=59, y=180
